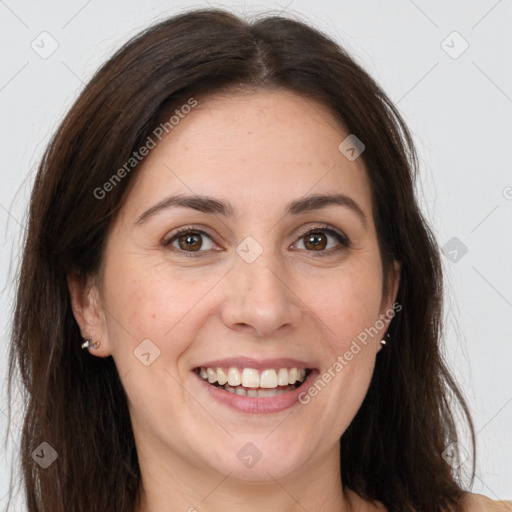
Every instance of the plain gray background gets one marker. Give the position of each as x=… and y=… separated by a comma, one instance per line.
x=446, y=65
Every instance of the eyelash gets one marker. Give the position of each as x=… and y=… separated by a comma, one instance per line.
x=344, y=242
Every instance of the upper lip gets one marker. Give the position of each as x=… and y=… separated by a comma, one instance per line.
x=257, y=364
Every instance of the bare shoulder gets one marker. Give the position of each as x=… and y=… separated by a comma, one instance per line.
x=359, y=504
x=480, y=503
x=471, y=503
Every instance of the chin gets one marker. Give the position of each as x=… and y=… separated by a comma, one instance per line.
x=257, y=458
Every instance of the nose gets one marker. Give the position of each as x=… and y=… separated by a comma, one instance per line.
x=260, y=298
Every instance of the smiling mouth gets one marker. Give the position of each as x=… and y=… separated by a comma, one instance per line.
x=254, y=383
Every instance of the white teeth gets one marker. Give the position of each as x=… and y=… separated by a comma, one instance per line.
x=268, y=379
x=282, y=377
x=234, y=377
x=221, y=376
x=212, y=375
x=250, y=378
x=257, y=393
x=267, y=392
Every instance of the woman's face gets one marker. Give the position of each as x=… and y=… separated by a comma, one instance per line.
x=244, y=289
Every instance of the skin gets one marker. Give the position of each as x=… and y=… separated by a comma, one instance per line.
x=259, y=151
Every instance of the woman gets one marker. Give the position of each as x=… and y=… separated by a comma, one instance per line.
x=228, y=295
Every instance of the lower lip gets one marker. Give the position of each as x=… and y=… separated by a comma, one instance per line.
x=255, y=405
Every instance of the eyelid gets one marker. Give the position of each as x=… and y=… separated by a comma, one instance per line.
x=169, y=238
x=344, y=241
x=324, y=227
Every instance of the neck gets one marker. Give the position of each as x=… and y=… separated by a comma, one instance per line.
x=193, y=489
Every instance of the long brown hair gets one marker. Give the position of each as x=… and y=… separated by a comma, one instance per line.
x=393, y=449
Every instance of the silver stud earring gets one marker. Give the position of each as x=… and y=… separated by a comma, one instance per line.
x=383, y=340
x=88, y=344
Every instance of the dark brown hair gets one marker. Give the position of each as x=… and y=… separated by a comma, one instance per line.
x=392, y=450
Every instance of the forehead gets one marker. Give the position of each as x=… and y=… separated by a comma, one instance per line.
x=264, y=146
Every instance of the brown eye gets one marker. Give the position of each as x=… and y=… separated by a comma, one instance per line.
x=316, y=241
x=190, y=241
x=187, y=241
x=323, y=240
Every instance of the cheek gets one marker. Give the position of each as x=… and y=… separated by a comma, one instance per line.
x=347, y=304
x=156, y=302
x=142, y=304
x=148, y=312
x=349, y=312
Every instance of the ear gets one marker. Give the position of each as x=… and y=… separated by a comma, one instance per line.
x=394, y=283
x=89, y=312
x=388, y=308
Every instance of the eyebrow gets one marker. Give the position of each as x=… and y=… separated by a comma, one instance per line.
x=207, y=204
